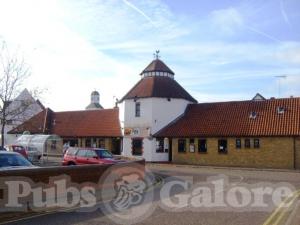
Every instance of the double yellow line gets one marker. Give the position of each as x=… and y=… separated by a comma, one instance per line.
x=276, y=217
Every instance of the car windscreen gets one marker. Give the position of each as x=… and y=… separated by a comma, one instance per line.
x=7, y=160
x=71, y=151
x=104, y=154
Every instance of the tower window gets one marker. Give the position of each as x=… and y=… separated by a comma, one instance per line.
x=137, y=109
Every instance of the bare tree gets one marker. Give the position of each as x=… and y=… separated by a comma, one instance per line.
x=13, y=72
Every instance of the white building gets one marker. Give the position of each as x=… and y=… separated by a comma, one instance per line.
x=29, y=109
x=155, y=101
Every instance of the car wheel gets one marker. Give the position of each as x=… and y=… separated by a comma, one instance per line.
x=71, y=164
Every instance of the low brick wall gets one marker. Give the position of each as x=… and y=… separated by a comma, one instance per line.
x=78, y=176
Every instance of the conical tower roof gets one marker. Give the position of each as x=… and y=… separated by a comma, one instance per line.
x=157, y=66
x=158, y=82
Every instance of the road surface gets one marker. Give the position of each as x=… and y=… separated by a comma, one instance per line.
x=191, y=215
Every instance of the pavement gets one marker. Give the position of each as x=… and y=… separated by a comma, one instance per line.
x=49, y=161
x=188, y=215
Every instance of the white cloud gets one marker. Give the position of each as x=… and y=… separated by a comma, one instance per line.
x=291, y=85
x=66, y=44
x=284, y=14
x=228, y=21
x=139, y=11
x=290, y=53
x=232, y=22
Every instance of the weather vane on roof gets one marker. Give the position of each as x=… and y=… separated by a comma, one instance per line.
x=156, y=54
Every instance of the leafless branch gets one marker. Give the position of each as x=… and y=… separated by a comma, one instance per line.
x=13, y=72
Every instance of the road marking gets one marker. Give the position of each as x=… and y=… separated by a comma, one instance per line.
x=293, y=214
x=281, y=210
x=284, y=211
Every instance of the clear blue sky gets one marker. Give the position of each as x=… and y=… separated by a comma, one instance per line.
x=220, y=50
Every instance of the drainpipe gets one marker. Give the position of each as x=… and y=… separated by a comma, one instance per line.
x=295, y=153
x=45, y=121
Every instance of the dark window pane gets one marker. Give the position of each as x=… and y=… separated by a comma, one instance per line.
x=238, y=143
x=159, y=145
x=181, y=145
x=222, y=146
x=101, y=143
x=137, y=109
x=202, y=147
x=88, y=143
x=137, y=146
x=256, y=143
x=247, y=143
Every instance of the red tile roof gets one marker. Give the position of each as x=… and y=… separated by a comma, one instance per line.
x=90, y=123
x=233, y=119
x=35, y=124
x=157, y=86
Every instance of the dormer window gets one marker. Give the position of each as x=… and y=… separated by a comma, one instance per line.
x=280, y=110
x=253, y=115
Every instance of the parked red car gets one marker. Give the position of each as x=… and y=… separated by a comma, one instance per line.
x=19, y=149
x=81, y=156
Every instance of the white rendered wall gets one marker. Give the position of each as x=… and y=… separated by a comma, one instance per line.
x=156, y=113
x=149, y=150
x=164, y=111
